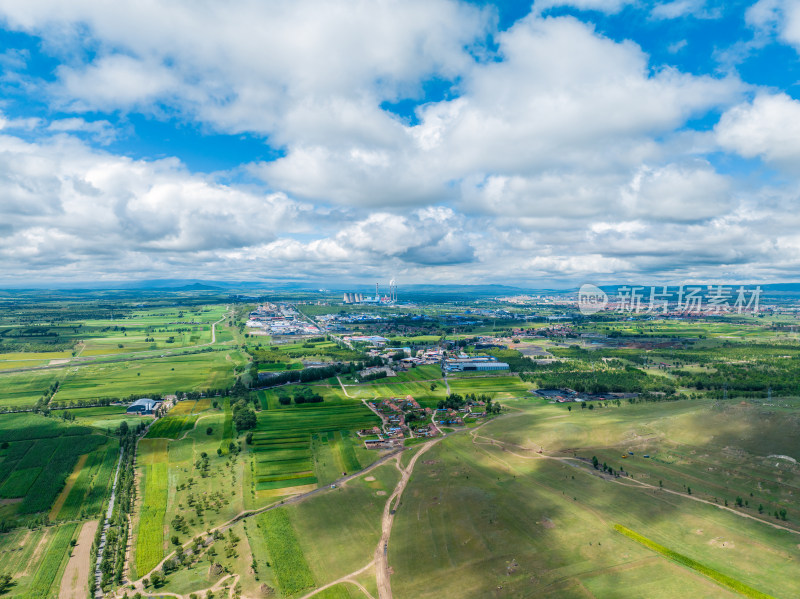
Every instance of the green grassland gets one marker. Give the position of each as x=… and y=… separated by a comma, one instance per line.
x=210, y=370
x=21, y=390
x=512, y=508
x=718, y=462
x=477, y=517
x=337, y=539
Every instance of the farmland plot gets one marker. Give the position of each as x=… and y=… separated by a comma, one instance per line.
x=282, y=442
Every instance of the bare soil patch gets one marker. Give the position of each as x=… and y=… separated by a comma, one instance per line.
x=547, y=523
x=75, y=581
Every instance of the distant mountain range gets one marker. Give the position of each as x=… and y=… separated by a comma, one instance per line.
x=405, y=292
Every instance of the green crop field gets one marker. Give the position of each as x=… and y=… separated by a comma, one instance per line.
x=282, y=443
x=41, y=454
x=499, y=387
x=332, y=394
x=46, y=580
x=106, y=419
x=291, y=569
x=387, y=387
x=513, y=506
x=86, y=496
x=150, y=536
x=171, y=426
x=161, y=375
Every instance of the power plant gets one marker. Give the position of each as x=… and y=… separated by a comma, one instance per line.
x=359, y=298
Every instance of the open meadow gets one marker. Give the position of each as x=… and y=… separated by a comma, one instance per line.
x=487, y=515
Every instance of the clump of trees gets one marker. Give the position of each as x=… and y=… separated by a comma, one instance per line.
x=371, y=376
x=244, y=418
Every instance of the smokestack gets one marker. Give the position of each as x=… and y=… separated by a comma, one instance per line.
x=377, y=296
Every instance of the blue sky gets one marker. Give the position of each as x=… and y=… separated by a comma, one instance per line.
x=431, y=141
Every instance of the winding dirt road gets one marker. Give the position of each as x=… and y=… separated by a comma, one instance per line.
x=382, y=550
x=349, y=578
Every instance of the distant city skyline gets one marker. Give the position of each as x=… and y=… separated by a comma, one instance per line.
x=543, y=145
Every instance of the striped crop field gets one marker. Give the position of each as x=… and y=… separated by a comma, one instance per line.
x=291, y=568
x=343, y=451
x=282, y=442
x=89, y=491
x=171, y=426
x=150, y=537
x=183, y=408
x=44, y=581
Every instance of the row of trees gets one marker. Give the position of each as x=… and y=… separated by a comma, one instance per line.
x=373, y=376
x=112, y=561
x=302, y=395
x=306, y=375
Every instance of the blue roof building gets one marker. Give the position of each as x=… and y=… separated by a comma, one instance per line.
x=143, y=406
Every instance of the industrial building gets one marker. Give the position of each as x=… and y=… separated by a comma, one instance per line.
x=463, y=364
x=143, y=407
x=360, y=298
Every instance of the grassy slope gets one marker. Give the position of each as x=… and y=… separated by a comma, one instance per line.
x=477, y=518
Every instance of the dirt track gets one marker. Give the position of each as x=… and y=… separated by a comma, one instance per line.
x=624, y=481
x=75, y=581
x=382, y=550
